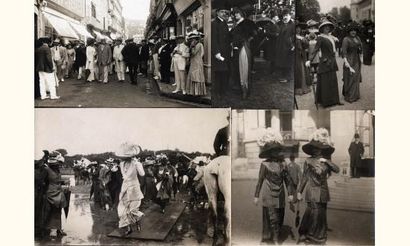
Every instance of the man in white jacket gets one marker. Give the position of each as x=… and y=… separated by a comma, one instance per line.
x=179, y=56
x=119, y=60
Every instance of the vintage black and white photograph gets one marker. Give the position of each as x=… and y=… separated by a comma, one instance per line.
x=122, y=53
x=303, y=177
x=132, y=176
x=335, y=54
x=253, y=53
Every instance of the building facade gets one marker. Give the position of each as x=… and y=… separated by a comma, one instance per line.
x=179, y=17
x=296, y=127
x=78, y=19
x=362, y=10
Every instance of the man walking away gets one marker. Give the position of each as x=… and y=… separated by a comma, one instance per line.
x=130, y=54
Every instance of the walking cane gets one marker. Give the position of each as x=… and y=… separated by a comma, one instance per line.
x=295, y=102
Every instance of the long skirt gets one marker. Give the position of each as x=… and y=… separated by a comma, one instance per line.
x=272, y=222
x=302, y=77
x=314, y=223
x=245, y=61
x=53, y=220
x=327, y=89
x=351, y=84
x=128, y=210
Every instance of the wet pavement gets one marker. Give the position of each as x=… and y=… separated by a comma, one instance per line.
x=347, y=227
x=88, y=224
x=367, y=92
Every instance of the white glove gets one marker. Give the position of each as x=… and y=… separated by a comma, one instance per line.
x=322, y=160
x=307, y=64
x=290, y=198
x=299, y=196
x=256, y=201
x=351, y=70
x=219, y=57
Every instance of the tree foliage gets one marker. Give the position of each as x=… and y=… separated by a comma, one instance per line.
x=307, y=10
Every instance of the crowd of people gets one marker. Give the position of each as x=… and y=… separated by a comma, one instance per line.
x=177, y=61
x=275, y=175
x=122, y=184
x=241, y=34
x=317, y=47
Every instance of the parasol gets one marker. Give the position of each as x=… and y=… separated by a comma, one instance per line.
x=67, y=194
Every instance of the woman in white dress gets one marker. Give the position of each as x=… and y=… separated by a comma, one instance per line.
x=196, y=80
x=131, y=195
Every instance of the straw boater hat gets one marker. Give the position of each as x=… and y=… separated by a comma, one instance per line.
x=320, y=140
x=326, y=22
x=270, y=143
x=128, y=150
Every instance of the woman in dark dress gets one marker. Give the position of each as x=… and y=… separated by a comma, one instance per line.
x=56, y=195
x=302, y=76
x=242, y=34
x=351, y=50
x=273, y=175
x=318, y=167
x=327, y=93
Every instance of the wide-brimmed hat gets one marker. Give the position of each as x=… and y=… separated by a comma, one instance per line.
x=320, y=140
x=109, y=160
x=353, y=26
x=326, y=22
x=270, y=143
x=312, y=23
x=55, y=157
x=270, y=150
x=128, y=150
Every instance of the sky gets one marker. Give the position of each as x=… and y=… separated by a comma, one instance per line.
x=327, y=5
x=87, y=131
x=135, y=9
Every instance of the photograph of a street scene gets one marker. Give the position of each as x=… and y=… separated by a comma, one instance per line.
x=122, y=53
x=303, y=177
x=132, y=176
x=335, y=54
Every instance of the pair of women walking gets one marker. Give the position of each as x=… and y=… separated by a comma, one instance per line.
x=274, y=175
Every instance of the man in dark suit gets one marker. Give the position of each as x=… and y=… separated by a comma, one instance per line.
x=164, y=54
x=220, y=45
x=356, y=151
x=104, y=58
x=144, y=56
x=130, y=53
x=285, y=46
x=221, y=142
x=45, y=68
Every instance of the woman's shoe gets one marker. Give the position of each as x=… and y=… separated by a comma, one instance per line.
x=176, y=91
x=61, y=233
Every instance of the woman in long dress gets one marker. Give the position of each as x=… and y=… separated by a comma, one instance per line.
x=196, y=79
x=131, y=195
x=55, y=194
x=318, y=167
x=273, y=176
x=327, y=93
x=351, y=50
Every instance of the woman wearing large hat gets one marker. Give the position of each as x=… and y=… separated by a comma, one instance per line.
x=327, y=85
x=273, y=176
x=196, y=79
x=317, y=169
x=351, y=51
x=131, y=195
x=56, y=195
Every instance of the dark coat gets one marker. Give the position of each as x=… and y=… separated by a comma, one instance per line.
x=284, y=44
x=80, y=57
x=270, y=186
x=104, y=55
x=356, y=151
x=272, y=32
x=327, y=61
x=130, y=53
x=144, y=52
x=220, y=43
x=242, y=33
x=317, y=190
x=221, y=142
x=44, y=62
x=165, y=56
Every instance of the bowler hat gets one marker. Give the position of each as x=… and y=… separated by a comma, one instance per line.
x=356, y=135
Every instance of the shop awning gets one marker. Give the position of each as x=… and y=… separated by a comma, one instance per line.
x=62, y=26
x=101, y=36
x=80, y=29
